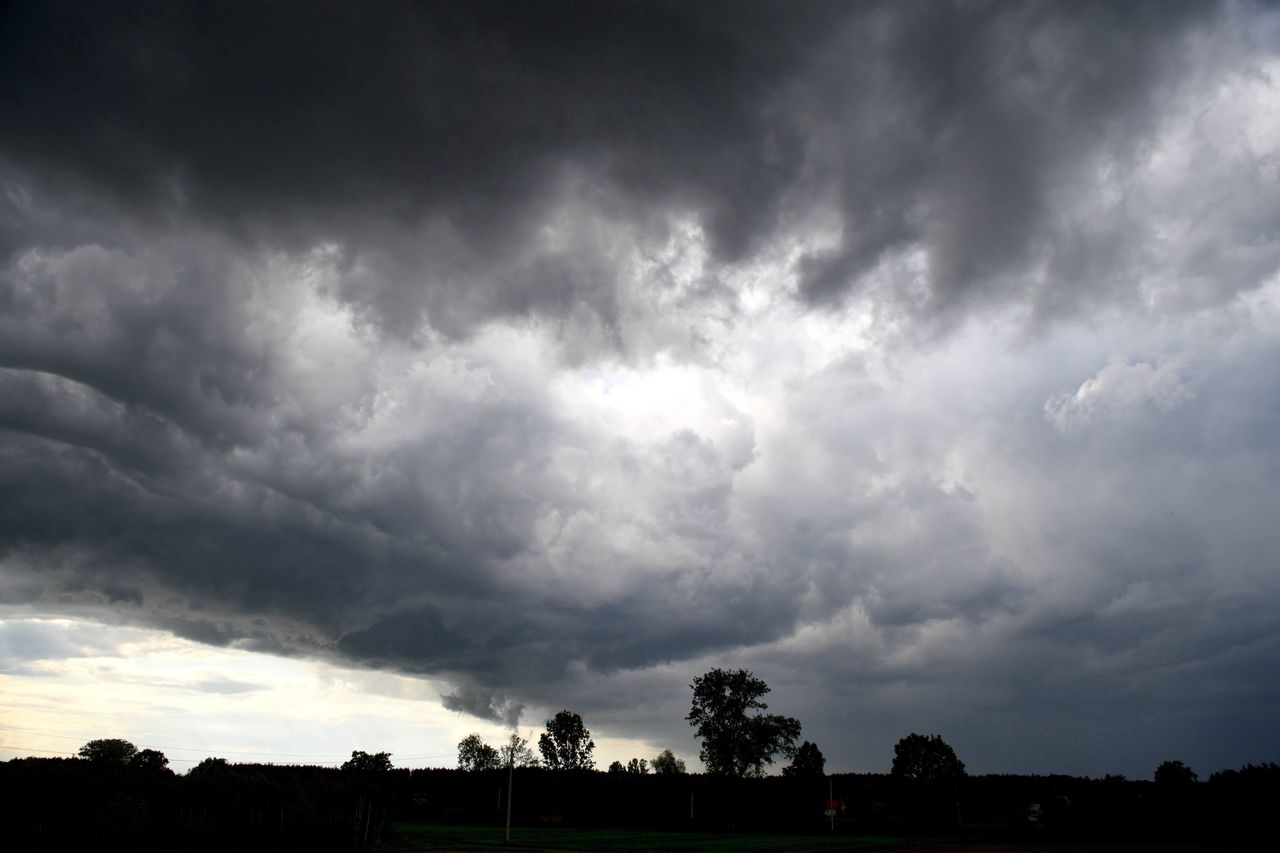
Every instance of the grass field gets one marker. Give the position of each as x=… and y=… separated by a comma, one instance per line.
x=409, y=836
x=475, y=839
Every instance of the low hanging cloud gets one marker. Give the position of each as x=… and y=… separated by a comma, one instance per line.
x=919, y=358
x=483, y=705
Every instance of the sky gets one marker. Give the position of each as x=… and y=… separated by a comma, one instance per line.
x=373, y=374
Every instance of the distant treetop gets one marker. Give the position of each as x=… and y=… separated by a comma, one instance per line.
x=109, y=751
x=150, y=760
x=666, y=762
x=516, y=753
x=117, y=752
x=926, y=759
x=363, y=762
x=634, y=767
x=808, y=761
x=475, y=754
x=1175, y=773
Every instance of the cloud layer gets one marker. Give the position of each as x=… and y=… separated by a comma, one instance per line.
x=919, y=358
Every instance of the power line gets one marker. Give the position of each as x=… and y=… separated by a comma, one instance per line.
x=215, y=750
x=29, y=749
x=206, y=749
x=34, y=732
x=51, y=754
x=48, y=753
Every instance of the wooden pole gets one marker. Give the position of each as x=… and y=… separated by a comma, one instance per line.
x=511, y=771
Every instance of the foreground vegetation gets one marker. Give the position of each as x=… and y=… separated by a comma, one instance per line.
x=80, y=803
x=413, y=836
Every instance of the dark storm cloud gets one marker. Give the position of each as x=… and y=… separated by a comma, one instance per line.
x=432, y=142
x=312, y=316
x=1003, y=144
x=304, y=121
x=391, y=564
x=467, y=699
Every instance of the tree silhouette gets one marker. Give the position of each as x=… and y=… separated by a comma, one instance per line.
x=567, y=744
x=734, y=742
x=808, y=761
x=926, y=759
x=1175, y=773
x=666, y=762
x=369, y=774
x=516, y=753
x=114, y=752
x=475, y=754
x=209, y=767
x=363, y=762
x=150, y=761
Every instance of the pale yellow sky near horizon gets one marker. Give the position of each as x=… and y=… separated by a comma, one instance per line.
x=192, y=701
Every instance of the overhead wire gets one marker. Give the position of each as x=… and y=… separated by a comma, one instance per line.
x=213, y=750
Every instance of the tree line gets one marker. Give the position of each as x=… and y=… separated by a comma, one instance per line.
x=66, y=803
x=115, y=793
x=739, y=740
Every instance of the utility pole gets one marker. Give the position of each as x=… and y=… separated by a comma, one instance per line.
x=511, y=771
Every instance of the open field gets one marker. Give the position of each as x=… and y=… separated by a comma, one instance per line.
x=408, y=836
x=472, y=839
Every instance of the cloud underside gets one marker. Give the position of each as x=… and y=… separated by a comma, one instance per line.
x=921, y=357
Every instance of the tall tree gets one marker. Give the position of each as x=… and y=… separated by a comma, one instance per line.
x=567, y=744
x=369, y=772
x=475, y=754
x=926, y=759
x=666, y=762
x=808, y=761
x=736, y=739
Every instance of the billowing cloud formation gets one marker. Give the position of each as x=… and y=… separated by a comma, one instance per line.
x=484, y=706
x=920, y=358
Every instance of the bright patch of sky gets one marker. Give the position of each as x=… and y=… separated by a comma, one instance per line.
x=64, y=682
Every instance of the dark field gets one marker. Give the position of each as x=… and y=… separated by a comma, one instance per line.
x=64, y=804
x=425, y=837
